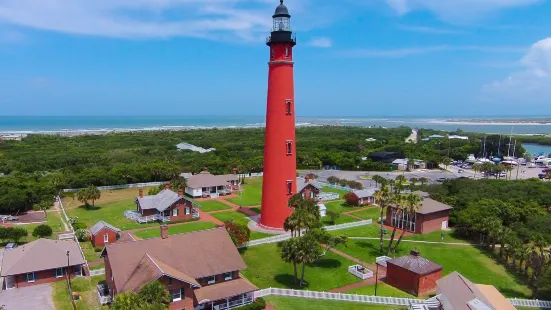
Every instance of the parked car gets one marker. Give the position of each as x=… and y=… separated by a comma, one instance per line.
x=546, y=170
x=13, y=218
x=11, y=246
x=441, y=179
x=460, y=171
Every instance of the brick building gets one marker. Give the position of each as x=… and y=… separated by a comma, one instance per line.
x=413, y=274
x=432, y=216
x=200, y=269
x=365, y=196
x=308, y=188
x=102, y=233
x=166, y=206
x=41, y=261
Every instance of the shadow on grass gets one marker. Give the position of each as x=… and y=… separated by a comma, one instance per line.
x=327, y=263
x=287, y=280
x=89, y=207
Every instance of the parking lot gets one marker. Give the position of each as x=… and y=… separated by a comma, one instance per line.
x=33, y=297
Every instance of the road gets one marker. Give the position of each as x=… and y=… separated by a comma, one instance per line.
x=412, y=137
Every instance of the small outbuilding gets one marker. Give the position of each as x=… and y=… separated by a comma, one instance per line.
x=384, y=157
x=431, y=216
x=413, y=274
x=104, y=233
x=308, y=188
x=365, y=196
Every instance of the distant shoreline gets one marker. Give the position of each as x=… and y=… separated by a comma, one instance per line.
x=514, y=122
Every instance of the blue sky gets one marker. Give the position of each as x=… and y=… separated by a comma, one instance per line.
x=208, y=57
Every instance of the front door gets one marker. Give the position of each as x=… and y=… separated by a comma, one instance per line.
x=444, y=224
x=10, y=282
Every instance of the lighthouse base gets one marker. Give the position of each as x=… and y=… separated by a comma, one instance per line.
x=254, y=225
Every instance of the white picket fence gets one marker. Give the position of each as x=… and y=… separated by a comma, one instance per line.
x=103, y=188
x=432, y=303
x=287, y=236
x=394, y=301
x=72, y=230
x=97, y=272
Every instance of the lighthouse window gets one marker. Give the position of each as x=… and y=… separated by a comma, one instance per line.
x=289, y=145
x=272, y=53
x=289, y=187
x=288, y=107
x=286, y=52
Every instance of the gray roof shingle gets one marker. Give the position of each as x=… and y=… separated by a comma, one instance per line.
x=301, y=184
x=206, y=179
x=161, y=201
x=100, y=225
x=416, y=264
x=365, y=193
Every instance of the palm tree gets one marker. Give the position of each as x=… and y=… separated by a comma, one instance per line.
x=424, y=181
x=93, y=194
x=376, y=178
x=413, y=181
x=400, y=205
x=83, y=196
x=308, y=252
x=476, y=168
x=289, y=254
x=524, y=255
x=156, y=294
x=382, y=197
x=413, y=204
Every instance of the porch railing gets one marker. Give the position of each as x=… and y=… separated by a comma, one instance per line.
x=234, y=303
x=360, y=272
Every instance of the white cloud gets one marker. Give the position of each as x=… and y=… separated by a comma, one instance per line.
x=409, y=51
x=456, y=9
x=321, y=42
x=533, y=83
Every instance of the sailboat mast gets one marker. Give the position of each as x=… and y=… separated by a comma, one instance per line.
x=499, y=147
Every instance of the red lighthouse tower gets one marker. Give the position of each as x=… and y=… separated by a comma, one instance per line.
x=280, y=166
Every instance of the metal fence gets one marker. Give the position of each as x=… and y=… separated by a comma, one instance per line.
x=530, y=303
x=287, y=236
x=97, y=272
x=337, y=186
x=72, y=230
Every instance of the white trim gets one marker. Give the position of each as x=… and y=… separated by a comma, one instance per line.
x=27, y=277
x=211, y=281
x=59, y=276
x=176, y=299
x=105, y=238
x=228, y=278
x=166, y=274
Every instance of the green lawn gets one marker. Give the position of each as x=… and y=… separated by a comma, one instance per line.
x=369, y=213
x=339, y=191
x=112, y=213
x=176, y=229
x=89, y=252
x=473, y=262
x=436, y=236
x=256, y=209
x=212, y=205
x=85, y=286
x=228, y=216
x=293, y=303
x=251, y=194
x=326, y=220
x=383, y=289
x=259, y=235
x=266, y=269
x=96, y=267
x=371, y=230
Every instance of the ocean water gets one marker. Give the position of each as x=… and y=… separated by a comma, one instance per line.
x=537, y=149
x=30, y=124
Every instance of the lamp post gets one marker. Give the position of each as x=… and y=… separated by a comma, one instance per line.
x=68, y=277
x=376, y=277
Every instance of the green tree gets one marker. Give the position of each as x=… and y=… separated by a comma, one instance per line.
x=351, y=199
x=309, y=251
x=289, y=254
x=83, y=196
x=126, y=301
x=239, y=233
x=413, y=204
x=423, y=181
x=382, y=197
x=93, y=193
x=16, y=233
x=42, y=231
x=155, y=293
x=400, y=205
x=334, y=216
x=81, y=234
x=413, y=181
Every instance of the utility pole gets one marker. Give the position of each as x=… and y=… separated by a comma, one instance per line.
x=376, y=277
x=69, y=283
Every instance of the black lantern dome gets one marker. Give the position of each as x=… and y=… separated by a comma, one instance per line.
x=281, y=31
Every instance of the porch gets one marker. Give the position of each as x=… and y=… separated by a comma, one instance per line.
x=228, y=303
x=217, y=191
x=136, y=216
x=104, y=295
x=225, y=295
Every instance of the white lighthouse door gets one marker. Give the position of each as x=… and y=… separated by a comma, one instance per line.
x=444, y=224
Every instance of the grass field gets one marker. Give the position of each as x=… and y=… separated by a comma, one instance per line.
x=290, y=303
x=89, y=252
x=256, y=209
x=176, y=229
x=339, y=191
x=326, y=220
x=107, y=196
x=473, y=262
x=266, y=269
x=251, y=195
x=369, y=213
x=383, y=289
x=86, y=286
x=111, y=212
x=371, y=230
x=212, y=205
x=436, y=236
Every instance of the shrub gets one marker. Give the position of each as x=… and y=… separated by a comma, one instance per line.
x=258, y=304
x=42, y=231
x=351, y=199
x=79, y=225
x=81, y=234
x=239, y=233
x=333, y=180
x=97, y=249
x=333, y=216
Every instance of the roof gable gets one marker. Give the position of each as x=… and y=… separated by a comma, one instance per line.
x=365, y=193
x=302, y=184
x=101, y=225
x=196, y=254
x=42, y=254
x=416, y=264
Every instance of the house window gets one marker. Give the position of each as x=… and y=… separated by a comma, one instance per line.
x=211, y=280
x=30, y=277
x=169, y=281
x=77, y=270
x=176, y=294
x=286, y=52
x=289, y=147
x=228, y=276
x=58, y=272
x=288, y=106
x=289, y=187
x=175, y=212
x=187, y=211
x=105, y=238
x=311, y=194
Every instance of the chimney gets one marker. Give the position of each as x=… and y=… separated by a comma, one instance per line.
x=415, y=253
x=234, y=170
x=180, y=192
x=164, y=231
x=141, y=193
x=167, y=185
